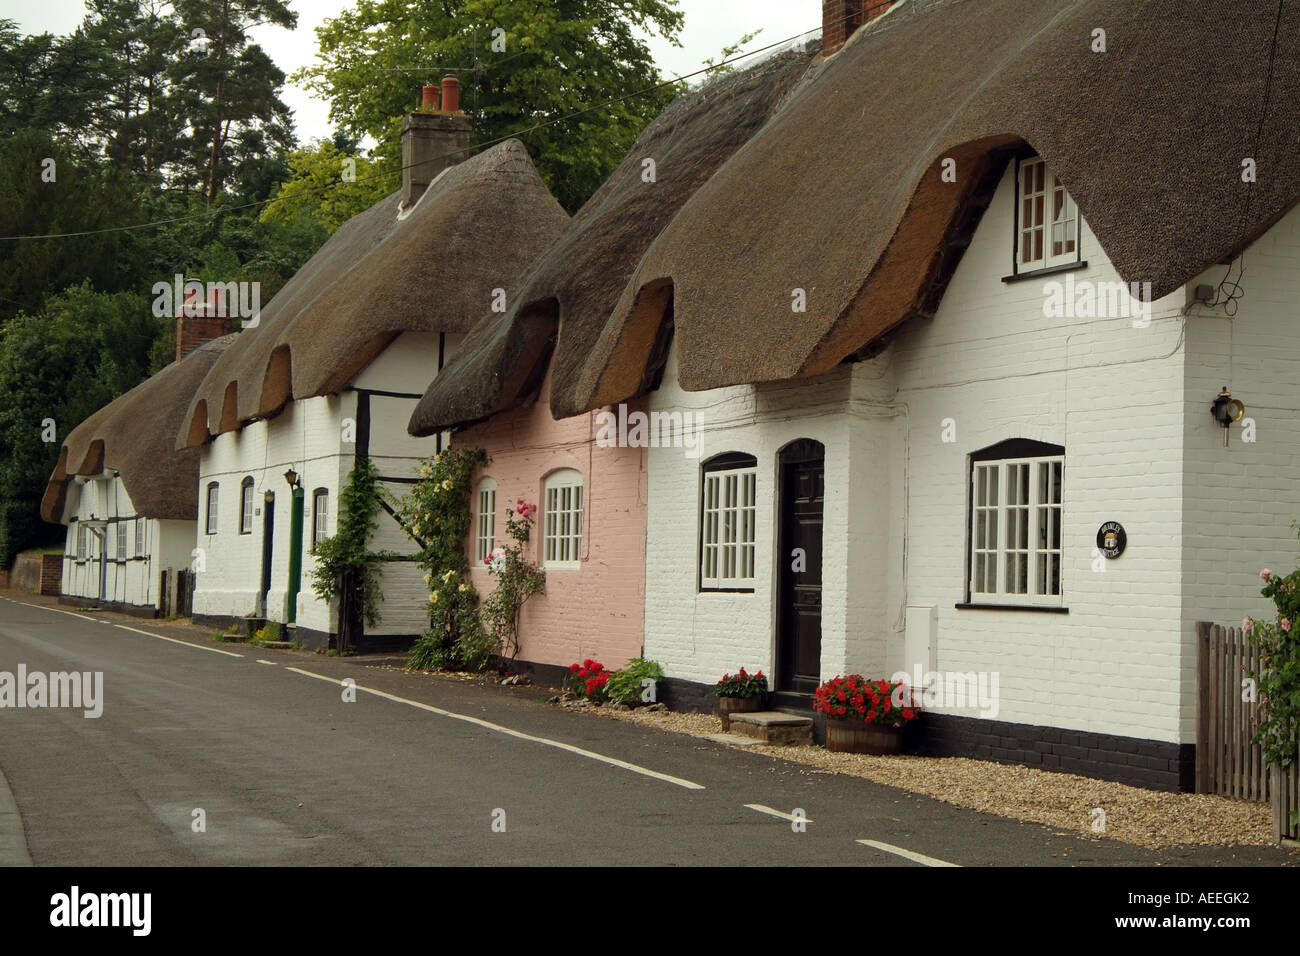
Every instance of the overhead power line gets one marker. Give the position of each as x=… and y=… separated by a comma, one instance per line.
x=479, y=147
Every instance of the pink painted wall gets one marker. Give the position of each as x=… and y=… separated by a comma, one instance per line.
x=598, y=609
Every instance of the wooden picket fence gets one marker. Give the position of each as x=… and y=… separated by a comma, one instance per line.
x=1228, y=763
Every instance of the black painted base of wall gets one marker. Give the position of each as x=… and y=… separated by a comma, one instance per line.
x=553, y=676
x=308, y=638
x=687, y=696
x=135, y=610
x=1154, y=764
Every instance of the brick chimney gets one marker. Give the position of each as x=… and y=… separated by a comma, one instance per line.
x=840, y=18
x=199, y=321
x=432, y=139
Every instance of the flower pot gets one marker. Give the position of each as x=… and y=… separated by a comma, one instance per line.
x=731, y=705
x=859, y=737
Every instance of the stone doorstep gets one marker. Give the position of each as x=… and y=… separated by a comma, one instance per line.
x=773, y=727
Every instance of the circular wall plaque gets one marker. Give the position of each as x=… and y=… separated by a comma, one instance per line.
x=1111, y=539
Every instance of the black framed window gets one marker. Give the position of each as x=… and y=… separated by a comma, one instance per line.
x=211, y=511
x=246, y=506
x=320, y=506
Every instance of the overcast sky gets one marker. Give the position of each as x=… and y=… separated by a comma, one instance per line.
x=710, y=25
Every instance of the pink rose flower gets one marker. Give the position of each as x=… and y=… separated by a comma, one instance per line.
x=1265, y=574
x=1247, y=625
x=1286, y=625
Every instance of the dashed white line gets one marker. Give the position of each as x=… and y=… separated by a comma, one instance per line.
x=260, y=661
x=908, y=854
x=559, y=745
x=197, y=647
x=777, y=813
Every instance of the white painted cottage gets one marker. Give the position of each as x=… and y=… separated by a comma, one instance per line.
x=941, y=435
x=331, y=372
x=127, y=496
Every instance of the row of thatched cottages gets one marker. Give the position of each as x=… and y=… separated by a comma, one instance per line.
x=904, y=353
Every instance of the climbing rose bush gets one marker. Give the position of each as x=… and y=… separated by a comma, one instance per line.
x=1279, y=678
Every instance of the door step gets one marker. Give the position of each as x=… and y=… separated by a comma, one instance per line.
x=772, y=727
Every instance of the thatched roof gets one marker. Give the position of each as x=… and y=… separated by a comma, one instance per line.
x=475, y=229
x=135, y=435
x=567, y=298
x=841, y=195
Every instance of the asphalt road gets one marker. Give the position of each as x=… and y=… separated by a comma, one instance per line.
x=288, y=772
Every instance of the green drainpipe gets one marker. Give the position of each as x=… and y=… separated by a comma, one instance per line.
x=295, y=555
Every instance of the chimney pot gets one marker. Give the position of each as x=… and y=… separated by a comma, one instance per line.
x=450, y=94
x=432, y=141
x=429, y=102
x=841, y=18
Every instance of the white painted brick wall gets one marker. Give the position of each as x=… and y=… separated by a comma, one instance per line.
x=135, y=581
x=308, y=435
x=1112, y=394
x=1240, y=500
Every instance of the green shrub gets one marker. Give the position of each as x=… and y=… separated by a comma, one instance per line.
x=628, y=685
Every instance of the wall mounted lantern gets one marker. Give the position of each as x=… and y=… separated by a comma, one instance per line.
x=291, y=476
x=1227, y=410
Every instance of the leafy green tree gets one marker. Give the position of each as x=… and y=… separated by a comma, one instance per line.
x=560, y=74
x=44, y=190
x=79, y=352
x=333, y=185
x=720, y=66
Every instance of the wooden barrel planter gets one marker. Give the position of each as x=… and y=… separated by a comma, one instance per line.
x=859, y=737
x=732, y=705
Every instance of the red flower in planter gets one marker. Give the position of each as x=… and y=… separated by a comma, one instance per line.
x=908, y=713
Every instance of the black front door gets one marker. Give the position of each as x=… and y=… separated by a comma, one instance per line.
x=268, y=533
x=799, y=597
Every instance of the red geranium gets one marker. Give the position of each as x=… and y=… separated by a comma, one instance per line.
x=856, y=698
x=588, y=679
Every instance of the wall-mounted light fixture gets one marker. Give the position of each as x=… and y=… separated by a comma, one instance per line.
x=1227, y=410
x=291, y=476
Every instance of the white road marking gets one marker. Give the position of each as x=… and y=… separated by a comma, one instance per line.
x=612, y=761
x=197, y=647
x=777, y=813
x=908, y=854
x=57, y=610
x=260, y=661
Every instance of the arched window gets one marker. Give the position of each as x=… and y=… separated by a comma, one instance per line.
x=212, y=508
x=1015, y=524
x=728, y=508
x=246, y=506
x=562, y=520
x=485, y=518
x=320, y=507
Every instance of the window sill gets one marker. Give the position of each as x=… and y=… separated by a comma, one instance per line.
x=748, y=590
x=1044, y=608
x=1050, y=270
x=566, y=566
